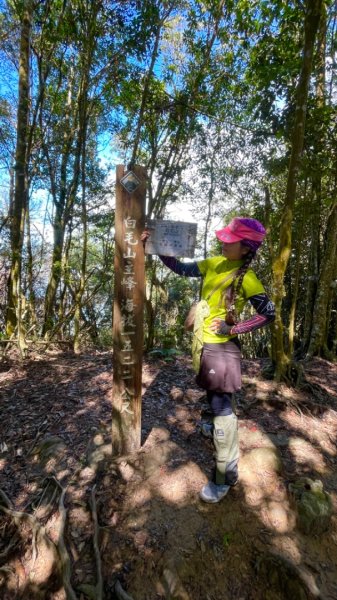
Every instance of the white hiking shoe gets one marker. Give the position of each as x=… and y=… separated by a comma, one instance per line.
x=213, y=493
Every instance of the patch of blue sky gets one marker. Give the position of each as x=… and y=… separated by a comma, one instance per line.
x=107, y=150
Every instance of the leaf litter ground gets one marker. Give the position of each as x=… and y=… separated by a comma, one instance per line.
x=137, y=520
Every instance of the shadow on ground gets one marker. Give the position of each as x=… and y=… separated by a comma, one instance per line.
x=138, y=519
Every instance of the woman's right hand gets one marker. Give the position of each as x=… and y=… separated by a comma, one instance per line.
x=145, y=235
x=220, y=327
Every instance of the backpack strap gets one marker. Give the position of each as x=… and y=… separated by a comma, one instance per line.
x=221, y=284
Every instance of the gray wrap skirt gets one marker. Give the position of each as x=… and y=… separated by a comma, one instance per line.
x=220, y=368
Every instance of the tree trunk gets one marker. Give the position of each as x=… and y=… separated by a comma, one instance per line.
x=31, y=304
x=313, y=266
x=82, y=141
x=334, y=313
x=294, y=296
x=63, y=206
x=209, y=204
x=56, y=269
x=331, y=316
x=319, y=331
x=62, y=305
x=18, y=210
x=150, y=322
x=316, y=198
x=81, y=286
x=281, y=259
x=150, y=302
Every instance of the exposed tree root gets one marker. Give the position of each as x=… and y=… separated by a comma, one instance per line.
x=99, y=586
x=316, y=391
x=293, y=580
x=42, y=505
x=13, y=542
x=5, y=573
x=61, y=557
x=42, y=428
x=291, y=373
x=50, y=487
x=37, y=529
x=4, y=500
x=120, y=593
x=295, y=405
x=62, y=550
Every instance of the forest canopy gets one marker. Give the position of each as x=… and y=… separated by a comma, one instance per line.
x=230, y=107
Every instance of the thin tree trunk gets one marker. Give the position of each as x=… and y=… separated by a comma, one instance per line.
x=294, y=296
x=316, y=200
x=209, y=204
x=178, y=149
x=281, y=260
x=168, y=9
x=31, y=305
x=60, y=217
x=18, y=210
x=268, y=212
x=81, y=287
x=82, y=141
x=313, y=266
x=333, y=312
x=56, y=270
x=150, y=304
x=330, y=321
x=150, y=321
x=319, y=331
x=334, y=339
x=62, y=307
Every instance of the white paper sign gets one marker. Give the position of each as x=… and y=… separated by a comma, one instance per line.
x=171, y=238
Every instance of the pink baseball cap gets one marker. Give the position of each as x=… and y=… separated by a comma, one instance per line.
x=242, y=229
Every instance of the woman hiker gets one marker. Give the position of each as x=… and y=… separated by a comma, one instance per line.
x=228, y=284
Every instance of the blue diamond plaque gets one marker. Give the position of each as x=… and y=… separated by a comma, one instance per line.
x=130, y=182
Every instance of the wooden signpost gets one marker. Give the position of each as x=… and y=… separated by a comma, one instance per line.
x=128, y=309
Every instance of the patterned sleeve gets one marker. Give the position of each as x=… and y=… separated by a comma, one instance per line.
x=265, y=314
x=186, y=269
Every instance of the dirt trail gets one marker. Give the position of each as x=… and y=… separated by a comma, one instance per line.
x=155, y=537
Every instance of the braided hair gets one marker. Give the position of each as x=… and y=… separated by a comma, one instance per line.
x=232, y=291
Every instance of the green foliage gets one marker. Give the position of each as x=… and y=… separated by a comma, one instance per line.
x=226, y=540
x=203, y=95
x=105, y=339
x=167, y=354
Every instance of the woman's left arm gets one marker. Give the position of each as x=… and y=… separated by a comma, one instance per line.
x=265, y=310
